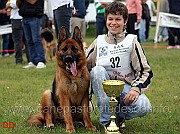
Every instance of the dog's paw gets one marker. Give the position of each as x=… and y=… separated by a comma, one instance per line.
x=50, y=125
x=91, y=128
x=70, y=130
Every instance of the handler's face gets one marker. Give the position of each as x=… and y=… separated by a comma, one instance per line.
x=115, y=23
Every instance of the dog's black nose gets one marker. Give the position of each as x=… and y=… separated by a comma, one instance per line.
x=68, y=58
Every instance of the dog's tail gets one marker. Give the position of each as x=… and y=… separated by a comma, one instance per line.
x=36, y=120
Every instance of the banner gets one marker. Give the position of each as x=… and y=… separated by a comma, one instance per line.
x=169, y=20
x=166, y=20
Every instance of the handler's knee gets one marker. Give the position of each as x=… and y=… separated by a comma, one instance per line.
x=138, y=109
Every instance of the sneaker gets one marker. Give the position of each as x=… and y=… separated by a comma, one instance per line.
x=12, y=55
x=171, y=47
x=6, y=55
x=41, y=65
x=178, y=46
x=165, y=39
x=30, y=65
x=160, y=38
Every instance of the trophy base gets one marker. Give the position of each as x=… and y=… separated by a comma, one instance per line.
x=112, y=129
x=107, y=132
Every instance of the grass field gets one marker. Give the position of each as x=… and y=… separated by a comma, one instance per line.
x=21, y=91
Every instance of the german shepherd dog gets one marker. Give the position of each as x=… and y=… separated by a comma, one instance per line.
x=68, y=102
x=48, y=39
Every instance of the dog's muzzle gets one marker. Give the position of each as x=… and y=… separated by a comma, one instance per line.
x=70, y=65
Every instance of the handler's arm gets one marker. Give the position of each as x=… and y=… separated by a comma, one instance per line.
x=143, y=72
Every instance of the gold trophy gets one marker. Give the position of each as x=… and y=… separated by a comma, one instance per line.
x=113, y=89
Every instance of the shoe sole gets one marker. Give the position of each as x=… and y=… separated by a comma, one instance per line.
x=40, y=67
x=29, y=67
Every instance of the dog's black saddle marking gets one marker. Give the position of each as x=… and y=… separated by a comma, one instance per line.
x=55, y=98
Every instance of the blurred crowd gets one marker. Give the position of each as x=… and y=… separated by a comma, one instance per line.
x=28, y=17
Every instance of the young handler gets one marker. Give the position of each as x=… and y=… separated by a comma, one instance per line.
x=119, y=56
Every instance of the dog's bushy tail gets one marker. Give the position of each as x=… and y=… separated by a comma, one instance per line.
x=36, y=120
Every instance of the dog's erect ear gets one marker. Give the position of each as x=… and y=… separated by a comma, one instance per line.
x=63, y=35
x=77, y=36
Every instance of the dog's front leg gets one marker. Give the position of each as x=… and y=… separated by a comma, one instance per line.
x=86, y=113
x=65, y=105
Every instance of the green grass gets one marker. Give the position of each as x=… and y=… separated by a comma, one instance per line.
x=21, y=91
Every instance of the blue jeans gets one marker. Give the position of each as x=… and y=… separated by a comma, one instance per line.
x=62, y=17
x=31, y=28
x=138, y=109
x=5, y=42
x=142, y=30
x=165, y=32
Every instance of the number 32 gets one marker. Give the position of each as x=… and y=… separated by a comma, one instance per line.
x=115, y=62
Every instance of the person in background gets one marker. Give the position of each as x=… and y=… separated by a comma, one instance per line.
x=62, y=12
x=135, y=13
x=17, y=30
x=152, y=7
x=32, y=11
x=163, y=31
x=164, y=7
x=78, y=16
x=8, y=8
x=144, y=20
x=119, y=56
x=174, y=6
x=4, y=20
x=48, y=14
x=100, y=20
x=153, y=11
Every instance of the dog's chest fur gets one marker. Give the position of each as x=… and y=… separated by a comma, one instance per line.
x=73, y=87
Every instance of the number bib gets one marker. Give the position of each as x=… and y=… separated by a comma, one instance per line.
x=109, y=56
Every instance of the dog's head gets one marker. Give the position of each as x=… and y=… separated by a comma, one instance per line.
x=70, y=54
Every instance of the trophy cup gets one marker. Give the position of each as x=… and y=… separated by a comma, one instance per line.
x=113, y=89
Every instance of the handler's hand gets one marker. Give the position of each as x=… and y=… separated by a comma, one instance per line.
x=131, y=97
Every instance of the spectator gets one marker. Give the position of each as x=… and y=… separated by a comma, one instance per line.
x=78, y=16
x=152, y=7
x=135, y=13
x=62, y=12
x=32, y=11
x=152, y=10
x=174, y=32
x=144, y=19
x=47, y=14
x=8, y=9
x=100, y=20
x=113, y=56
x=17, y=30
x=163, y=31
x=4, y=20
